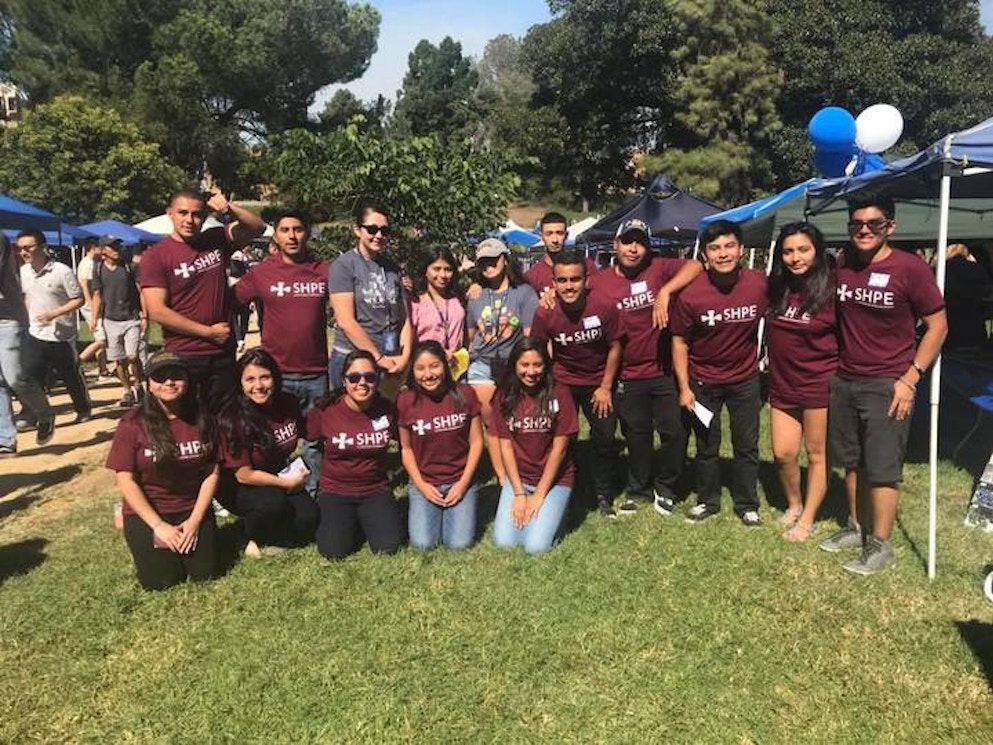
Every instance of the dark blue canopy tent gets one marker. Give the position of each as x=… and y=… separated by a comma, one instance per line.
x=127, y=233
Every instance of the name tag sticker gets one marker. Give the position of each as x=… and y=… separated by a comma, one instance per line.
x=553, y=406
x=381, y=423
x=591, y=322
x=877, y=279
x=639, y=287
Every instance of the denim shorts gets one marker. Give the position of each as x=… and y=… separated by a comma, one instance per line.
x=480, y=372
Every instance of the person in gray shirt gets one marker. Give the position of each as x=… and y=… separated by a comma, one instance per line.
x=496, y=318
x=367, y=299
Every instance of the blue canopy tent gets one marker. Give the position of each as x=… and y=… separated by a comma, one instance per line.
x=520, y=237
x=17, y=215
x=64, y=236
x=130, y=235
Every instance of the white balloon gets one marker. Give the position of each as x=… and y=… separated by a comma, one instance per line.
x=878, y=128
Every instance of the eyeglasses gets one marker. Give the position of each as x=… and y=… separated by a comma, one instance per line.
x=356, y=378
x=374, y=229
x=167, y=373
x=876, y=225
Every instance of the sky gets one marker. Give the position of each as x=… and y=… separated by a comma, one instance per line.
x=406, y=22
x=471, y=22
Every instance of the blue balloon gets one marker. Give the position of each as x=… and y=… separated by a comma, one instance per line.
x=832, y=129
x=868, y=162
x=832, y=164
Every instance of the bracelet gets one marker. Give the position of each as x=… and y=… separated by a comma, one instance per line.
x=520, y=494
x=918, y=368
x=913, y=388
x=379, y=358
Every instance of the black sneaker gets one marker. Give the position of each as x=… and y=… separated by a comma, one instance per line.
x=127, y=400
x=606, y=507
x=663, y=505
x=83, y=417
x=46, y=430
x=699, y=512
x=750, y=518
x=627, y=507
x=7, y=451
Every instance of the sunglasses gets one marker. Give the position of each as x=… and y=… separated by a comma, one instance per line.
x=168, y=373
x=374, y=229
x=356, y=378
x=489, y=260
x=876, y=225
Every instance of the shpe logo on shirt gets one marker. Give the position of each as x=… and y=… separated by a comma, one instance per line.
x=205, y=261
x=440, y=423
x=361, y=440
x=866, y=296
x=298, y=289
x=580, y=337
x=742, y=314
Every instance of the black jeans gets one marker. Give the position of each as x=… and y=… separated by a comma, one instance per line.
x=271, y=516
x=212, y=379
x=744, y=401
x=645, y=407
x=347, y=521
x=604, y=461
x=159, y=568
x=42, y=356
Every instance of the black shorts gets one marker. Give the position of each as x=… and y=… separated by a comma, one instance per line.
x=862, y=434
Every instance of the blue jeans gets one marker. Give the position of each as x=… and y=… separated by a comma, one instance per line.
x=538, y=535
x=307, y=389
x=430, y=525
x=12, y=378
x=336, y=362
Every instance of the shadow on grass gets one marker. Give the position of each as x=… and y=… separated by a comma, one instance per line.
x=21, y=558
x=97, y=439
x=979, y=637
x=834, y=507
x=230, y=541
x=915, y=549
x=35, y=483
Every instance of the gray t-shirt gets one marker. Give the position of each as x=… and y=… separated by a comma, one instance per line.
x=118, y=292
x=375, y=285
x=499, y=320
x=48, y=289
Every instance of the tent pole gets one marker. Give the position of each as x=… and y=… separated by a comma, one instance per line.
x=751, y=257
x=940, y=263
x=696, y=247
x=768, y=259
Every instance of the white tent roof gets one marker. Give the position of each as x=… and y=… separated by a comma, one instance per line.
x=162, y=225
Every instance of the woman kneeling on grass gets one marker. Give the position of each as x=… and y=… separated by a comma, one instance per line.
x=355, y=425
x=442, y=440
x=164, y=455
x=535, y=421
x=803, y=354
x=259, y=429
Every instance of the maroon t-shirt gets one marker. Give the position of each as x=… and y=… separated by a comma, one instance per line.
x=296, y=300
x=721, y=327
x=169, y=490
x=647, y=349
x=803, y=354
x=285, y=423
x=439, y=435
x=355, y=445
x=195, y=277
x=878, y=308
x=580, y=338
x=532, y=436
x=541, y=278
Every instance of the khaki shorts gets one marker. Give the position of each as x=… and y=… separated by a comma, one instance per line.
x=122, y=339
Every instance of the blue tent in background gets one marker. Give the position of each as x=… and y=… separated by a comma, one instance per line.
x=130, y=235
x=17, y=215
x=521, y=237
x=67, y=235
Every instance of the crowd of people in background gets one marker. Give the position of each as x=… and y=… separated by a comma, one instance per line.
x=439, y=384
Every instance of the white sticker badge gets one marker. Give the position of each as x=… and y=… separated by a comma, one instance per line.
x=877, y=279
x=591, y=322
x=639, y=287
x=381, y=423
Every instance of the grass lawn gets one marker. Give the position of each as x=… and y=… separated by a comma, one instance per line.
x=638, y=630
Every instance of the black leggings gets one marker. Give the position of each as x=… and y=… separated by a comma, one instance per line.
x=347, y=521
x=159, y=568
x=271, y=516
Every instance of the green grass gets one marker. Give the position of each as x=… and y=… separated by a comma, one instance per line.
x=639, y=630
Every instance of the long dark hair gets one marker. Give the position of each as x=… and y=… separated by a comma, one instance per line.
x=449, y=387
x=244, y=423
x=153, y=418
x=817, y=283
x=426, y=258
x=353, y=356
x=510, y=385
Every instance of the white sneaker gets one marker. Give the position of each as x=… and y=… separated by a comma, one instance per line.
x=219, y=510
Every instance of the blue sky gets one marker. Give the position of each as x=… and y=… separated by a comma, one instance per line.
x=471, y=22
x=406, y=22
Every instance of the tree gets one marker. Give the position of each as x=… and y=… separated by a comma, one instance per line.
x=201, y=74
x=447, y=191
x=85, y=162
x=502, y=74
x=725, y=98
x=931, y=60
x=437, y=93
x=604, y=66
x=344, y=106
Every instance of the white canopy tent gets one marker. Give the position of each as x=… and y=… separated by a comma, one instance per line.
x=162, y=225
